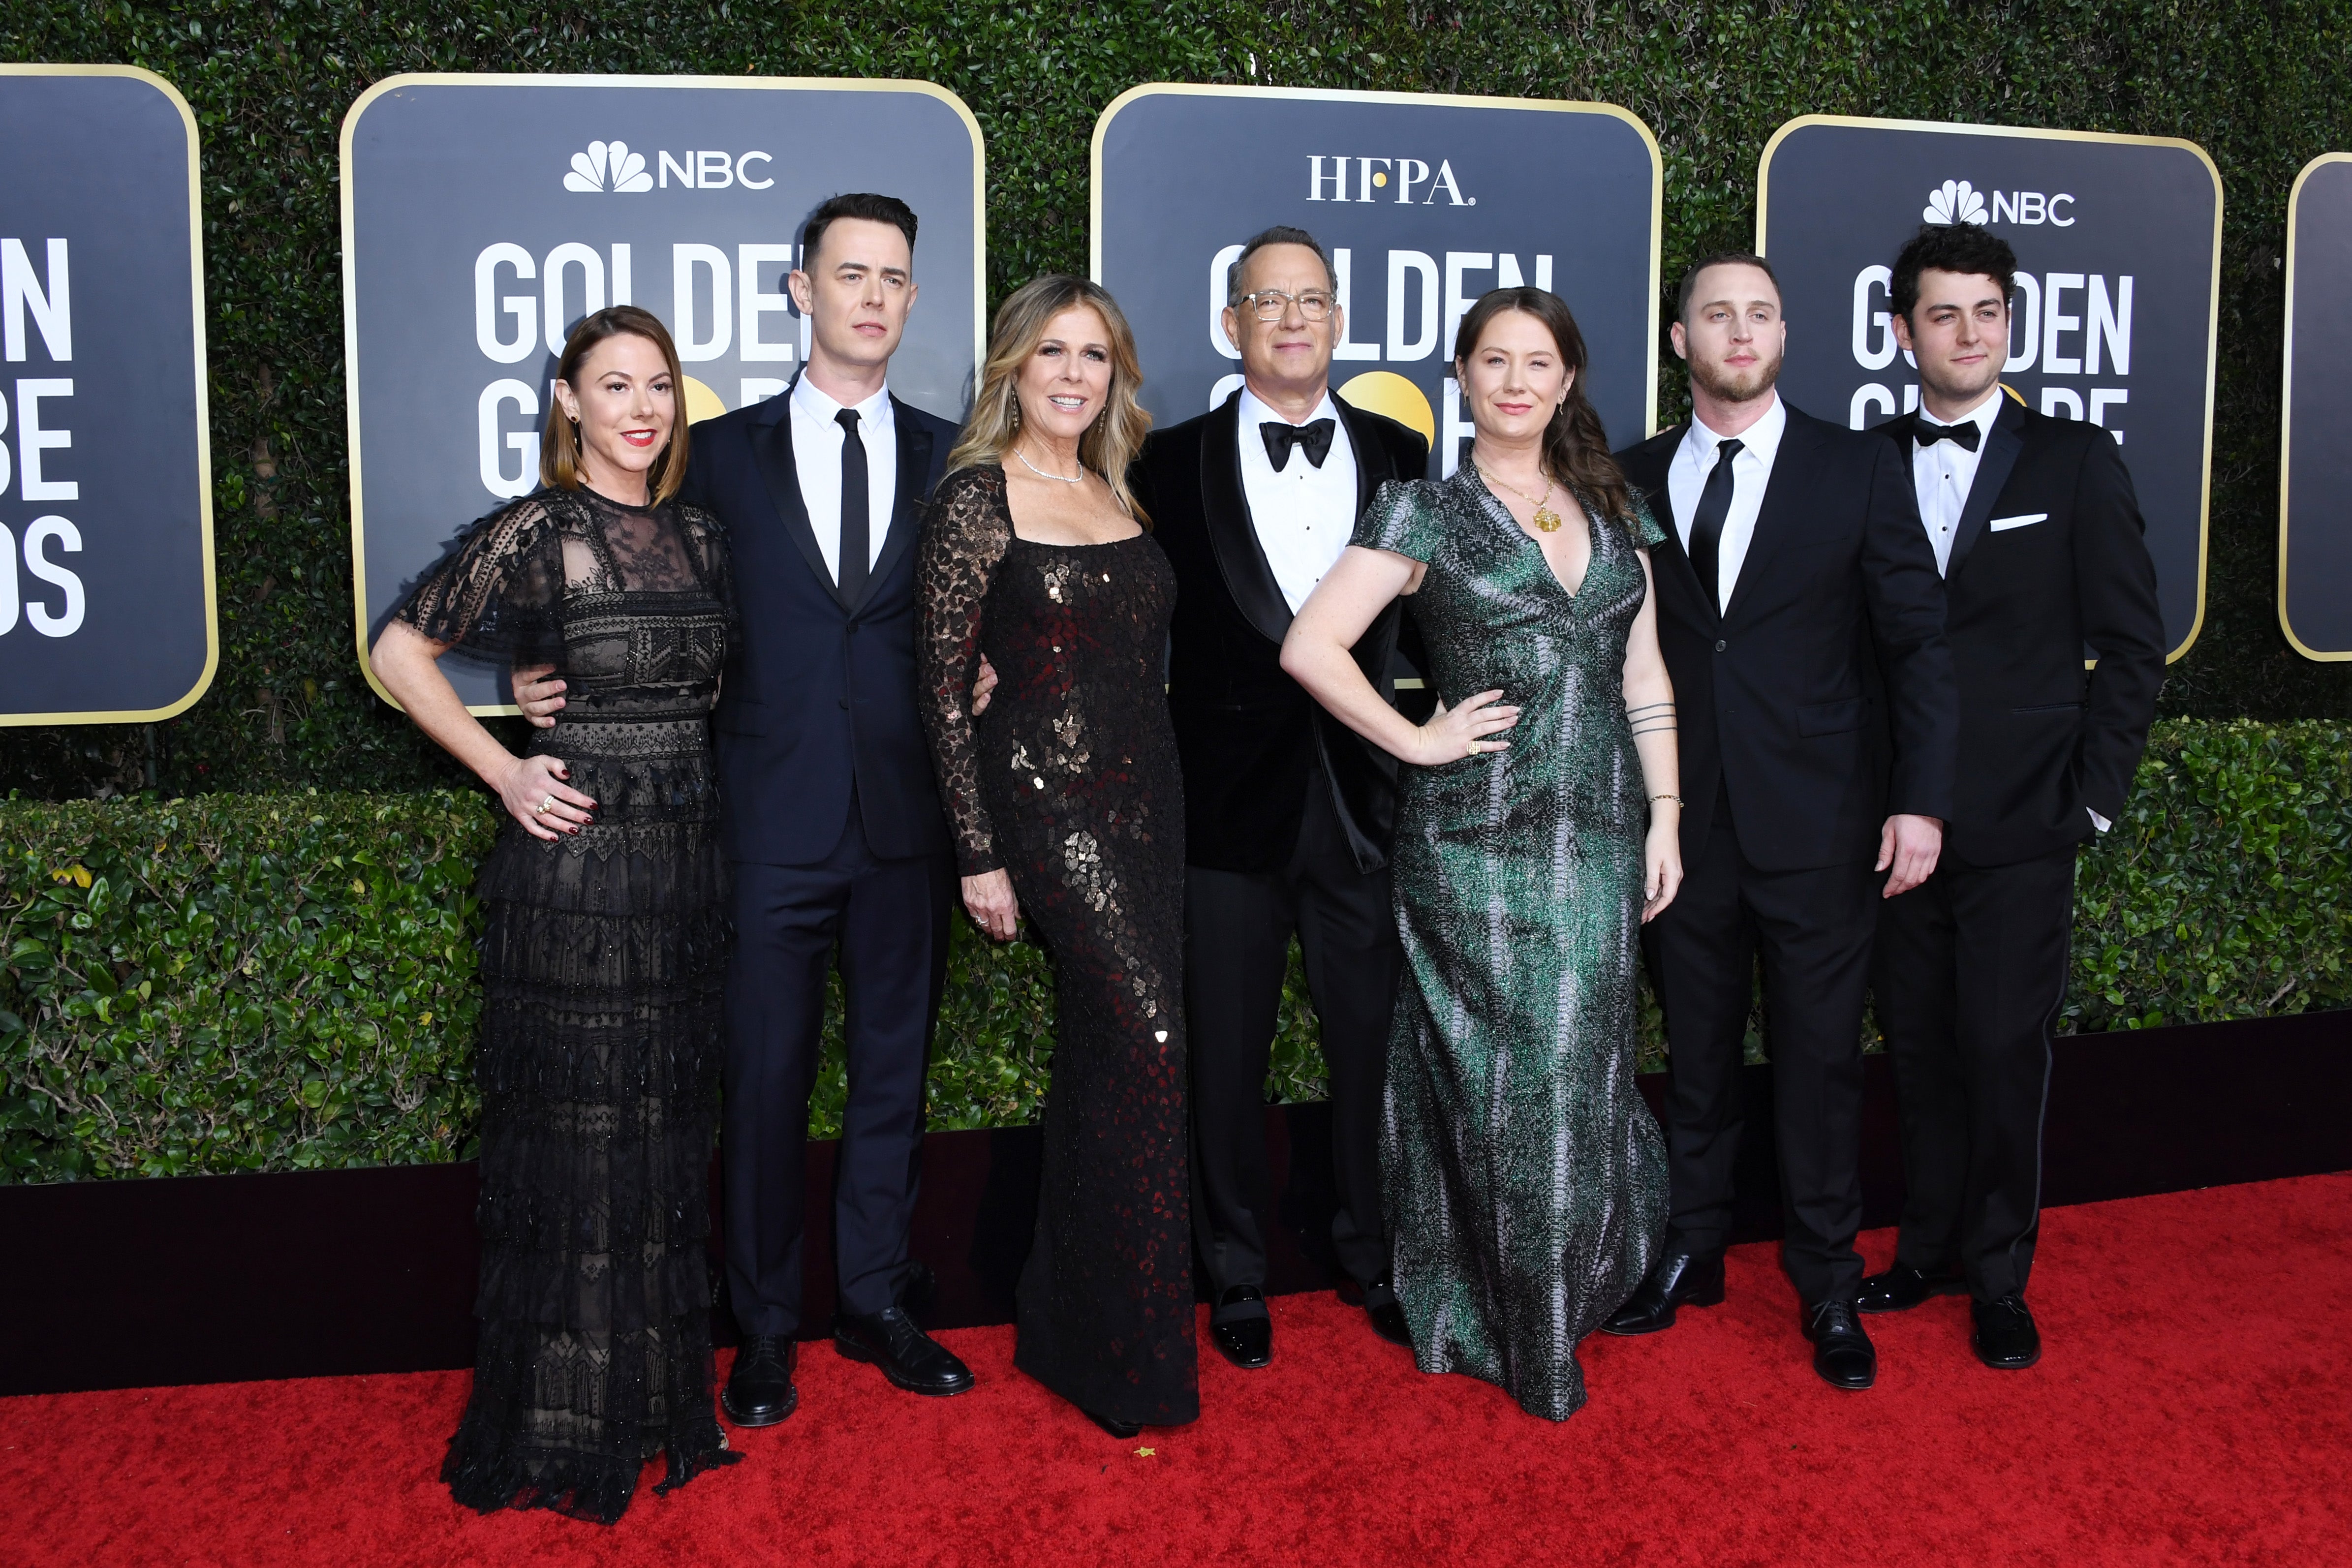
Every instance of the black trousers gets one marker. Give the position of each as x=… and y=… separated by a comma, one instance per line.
x=1812, y=930
x=890, y=920
x=1237, y=930
x=1970, y=969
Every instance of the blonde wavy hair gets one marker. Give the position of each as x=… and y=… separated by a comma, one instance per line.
x=1111, y=443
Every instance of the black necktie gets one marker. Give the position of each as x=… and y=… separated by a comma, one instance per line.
x=857, y=534
x=1926, y=431
x=1707, y=523
x=1280, y=437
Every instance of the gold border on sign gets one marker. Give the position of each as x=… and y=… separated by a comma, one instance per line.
x=507, y=78
x=2286, y=405
x=203, y=409
x=1459, y=100
x=2213, y=303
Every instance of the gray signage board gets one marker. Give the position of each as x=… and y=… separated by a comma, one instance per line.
x=2315, y=586
x=1425, y=201
x=2118, y=242
x=484, y=216
x=106, y=518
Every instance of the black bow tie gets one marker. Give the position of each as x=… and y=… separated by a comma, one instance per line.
x=1926, y=431
x=1280, y=437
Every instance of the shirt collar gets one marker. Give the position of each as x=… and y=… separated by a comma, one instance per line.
x=1255, y=412
x=1984, y=413
x=875, y=410
x=1762, y=438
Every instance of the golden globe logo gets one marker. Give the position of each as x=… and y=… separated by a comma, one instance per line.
x=1382, y=180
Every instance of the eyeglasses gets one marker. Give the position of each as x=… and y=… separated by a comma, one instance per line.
x=1272, y=304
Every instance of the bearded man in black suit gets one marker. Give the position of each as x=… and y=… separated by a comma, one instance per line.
x=1288, y=814
x=1803, y=621
x=2039, y=538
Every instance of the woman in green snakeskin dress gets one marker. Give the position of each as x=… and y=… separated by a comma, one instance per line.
x=1524, y=1178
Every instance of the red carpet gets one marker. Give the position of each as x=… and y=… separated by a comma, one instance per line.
x=2195, y=1406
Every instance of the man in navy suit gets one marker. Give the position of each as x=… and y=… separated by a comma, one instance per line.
x=833, y=826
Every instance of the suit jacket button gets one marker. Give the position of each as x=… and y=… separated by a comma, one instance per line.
x=1721, y=645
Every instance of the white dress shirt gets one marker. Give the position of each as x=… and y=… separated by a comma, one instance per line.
x=816, y=457
x=1751, y=469
x=1943, y=473
x=1304, y=514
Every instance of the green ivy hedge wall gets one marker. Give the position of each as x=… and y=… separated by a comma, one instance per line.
x=286, y=981
x=2263, y=85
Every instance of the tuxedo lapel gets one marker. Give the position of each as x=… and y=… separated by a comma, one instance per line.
x=1785, y=490
x=1233, y=536
x=907, y=505
x=772, y=450
x=1373, y=467
x=2000, y=450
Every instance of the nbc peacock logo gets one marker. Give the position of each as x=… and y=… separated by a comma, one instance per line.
x=1955, y=202
x=608, y=166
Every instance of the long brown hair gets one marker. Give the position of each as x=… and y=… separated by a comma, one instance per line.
x=1575, y=446
x=559, y=445
x=1110, y=442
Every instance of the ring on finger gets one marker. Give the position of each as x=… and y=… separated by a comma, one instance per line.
x=545, y=807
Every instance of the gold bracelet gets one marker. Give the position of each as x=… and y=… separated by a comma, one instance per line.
x=1677, y=800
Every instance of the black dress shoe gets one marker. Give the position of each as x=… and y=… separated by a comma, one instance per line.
x=908, y=1356
x=1380, y=1305
x=1902, y=1287
x=1680, y=1279
x=1115, y=1426
x=1246, y=1342
x=760, y=1391
x=2006, y=1339
x=1842, y=1353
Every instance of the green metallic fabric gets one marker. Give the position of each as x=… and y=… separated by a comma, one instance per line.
x=1524, y=1176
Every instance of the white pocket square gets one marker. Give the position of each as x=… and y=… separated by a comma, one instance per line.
x=2018, y=521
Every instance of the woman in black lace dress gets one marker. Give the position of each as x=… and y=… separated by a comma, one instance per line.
x=605, y=944
x=1067, y=804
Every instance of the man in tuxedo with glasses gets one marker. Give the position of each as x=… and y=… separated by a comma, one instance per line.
x=1800, y=617
x=1288, y=814
x=2039, y=538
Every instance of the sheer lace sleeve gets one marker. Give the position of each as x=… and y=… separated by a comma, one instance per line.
x=498, y=592
x=706, y=543
x=964, y=540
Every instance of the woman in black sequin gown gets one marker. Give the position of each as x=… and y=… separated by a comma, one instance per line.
x=1067, y=804
x=606, y=942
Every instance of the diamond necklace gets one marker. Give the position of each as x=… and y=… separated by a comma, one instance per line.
x=1081, y=479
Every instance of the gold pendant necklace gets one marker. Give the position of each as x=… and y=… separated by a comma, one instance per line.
x=1546, y=520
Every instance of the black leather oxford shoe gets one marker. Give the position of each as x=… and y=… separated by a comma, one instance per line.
x=1842, y=1353
x=1681, y=1279
x=1115, y=1426
x=2006, y=1339
x=1902, y=1287
x=1246, y=1341
x=908, y=1356
x=760, y=1391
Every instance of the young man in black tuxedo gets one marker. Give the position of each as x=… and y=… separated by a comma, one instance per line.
x=832, y=825
x=1288, y=814
x=1803, y=624
x=2039, y=538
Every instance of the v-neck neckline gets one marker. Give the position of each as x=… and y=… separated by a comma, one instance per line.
x=1592, y=535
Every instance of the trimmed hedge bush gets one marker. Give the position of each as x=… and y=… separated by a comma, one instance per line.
x=2264, y=88
x=287, y=982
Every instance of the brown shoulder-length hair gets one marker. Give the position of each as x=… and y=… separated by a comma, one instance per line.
x=1575, y=446
x=559, y=445
x=1111, y=443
